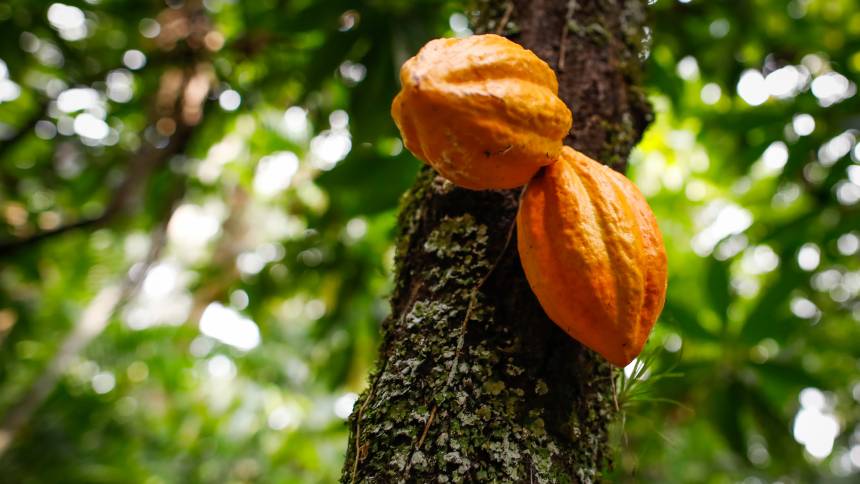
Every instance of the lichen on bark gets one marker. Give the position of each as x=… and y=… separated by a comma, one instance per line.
x=473, y=382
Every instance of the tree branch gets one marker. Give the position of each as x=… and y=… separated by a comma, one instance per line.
x=11, y=247
x=141, y=165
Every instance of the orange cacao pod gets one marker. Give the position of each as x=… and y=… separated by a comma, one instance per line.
x=482, y=111
x=593, y=255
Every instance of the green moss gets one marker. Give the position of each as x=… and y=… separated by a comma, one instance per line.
x=594, y=31
x=485, y=15
x=408, y=218
x=621, y=137
x=633, y=19
x=456, y=236
x=494, y=387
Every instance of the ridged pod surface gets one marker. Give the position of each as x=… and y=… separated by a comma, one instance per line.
x=593, y=255
x=482, y=111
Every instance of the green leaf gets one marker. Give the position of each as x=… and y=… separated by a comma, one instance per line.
x=353, y=185
x=770, y=317
x=718, y=289
x=792, y=375
x=725, y=410
x=777, y=430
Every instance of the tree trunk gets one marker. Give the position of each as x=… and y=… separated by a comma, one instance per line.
x=473, y=382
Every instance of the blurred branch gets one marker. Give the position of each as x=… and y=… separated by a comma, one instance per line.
x=141, y=165
x=92, y=322
x=178, y=103
x=228, y=248
x=11, y=247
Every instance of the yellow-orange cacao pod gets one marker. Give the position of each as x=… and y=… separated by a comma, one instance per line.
x=482, y=111
x=593, y=255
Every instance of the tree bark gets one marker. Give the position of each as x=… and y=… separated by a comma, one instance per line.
x=473, y=382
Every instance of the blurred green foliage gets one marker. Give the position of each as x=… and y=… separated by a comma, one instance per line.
x=219, y=323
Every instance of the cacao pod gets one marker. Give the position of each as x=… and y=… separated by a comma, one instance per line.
x=593, y=255
x=483, y=111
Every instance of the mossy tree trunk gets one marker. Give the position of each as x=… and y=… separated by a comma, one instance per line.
x=473, y=382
